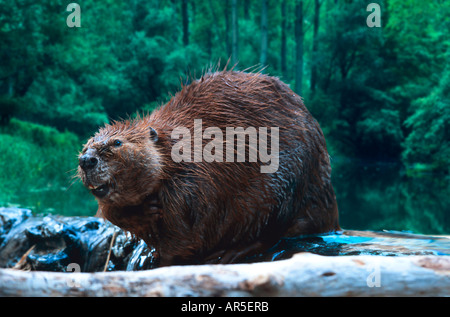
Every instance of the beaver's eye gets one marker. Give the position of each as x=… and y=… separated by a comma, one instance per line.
x=153, y=134
x=117, y=143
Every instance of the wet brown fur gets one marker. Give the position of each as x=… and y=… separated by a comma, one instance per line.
x=199, y=211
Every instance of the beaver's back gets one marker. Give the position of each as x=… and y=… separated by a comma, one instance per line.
x=218, y=208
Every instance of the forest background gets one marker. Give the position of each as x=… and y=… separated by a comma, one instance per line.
x=379, y=93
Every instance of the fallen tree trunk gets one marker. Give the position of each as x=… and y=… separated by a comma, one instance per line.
x=303, y=275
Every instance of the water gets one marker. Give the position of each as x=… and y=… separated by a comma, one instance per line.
x=380, y=196
x=361, y=243
x=67, y=199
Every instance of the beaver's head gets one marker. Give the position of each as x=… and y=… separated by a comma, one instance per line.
x=120, y=164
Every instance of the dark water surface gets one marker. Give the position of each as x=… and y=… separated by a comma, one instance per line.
x=353, y=242
x=380, y=196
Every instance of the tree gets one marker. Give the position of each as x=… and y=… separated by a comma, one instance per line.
x=227, y=27
x=264, y=35
x=299, y=35
x=283, y=51
x=353, y=79
x=315, y=46
x=418, y=36
x=234, y=30
x=428, y=144
x=184, y=13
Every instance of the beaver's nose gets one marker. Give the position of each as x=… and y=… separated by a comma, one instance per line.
x=88, y=161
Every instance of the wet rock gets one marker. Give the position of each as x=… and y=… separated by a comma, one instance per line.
x=52, y=243
x=14, y=241
x=9, y=217
x=142, y=258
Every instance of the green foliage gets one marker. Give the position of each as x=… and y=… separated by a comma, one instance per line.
x=429, y=141
x=62, y=104
x=422, y=50
x=354, y=77
x=377, y=92
x=37, y=163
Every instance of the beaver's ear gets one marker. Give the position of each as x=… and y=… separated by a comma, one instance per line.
x=153, y=134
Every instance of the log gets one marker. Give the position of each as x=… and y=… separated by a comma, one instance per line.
x=304, y=274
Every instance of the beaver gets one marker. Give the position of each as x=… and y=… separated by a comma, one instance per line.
x=205, y=210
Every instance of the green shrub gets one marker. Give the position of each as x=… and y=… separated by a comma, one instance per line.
x=38, y=163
